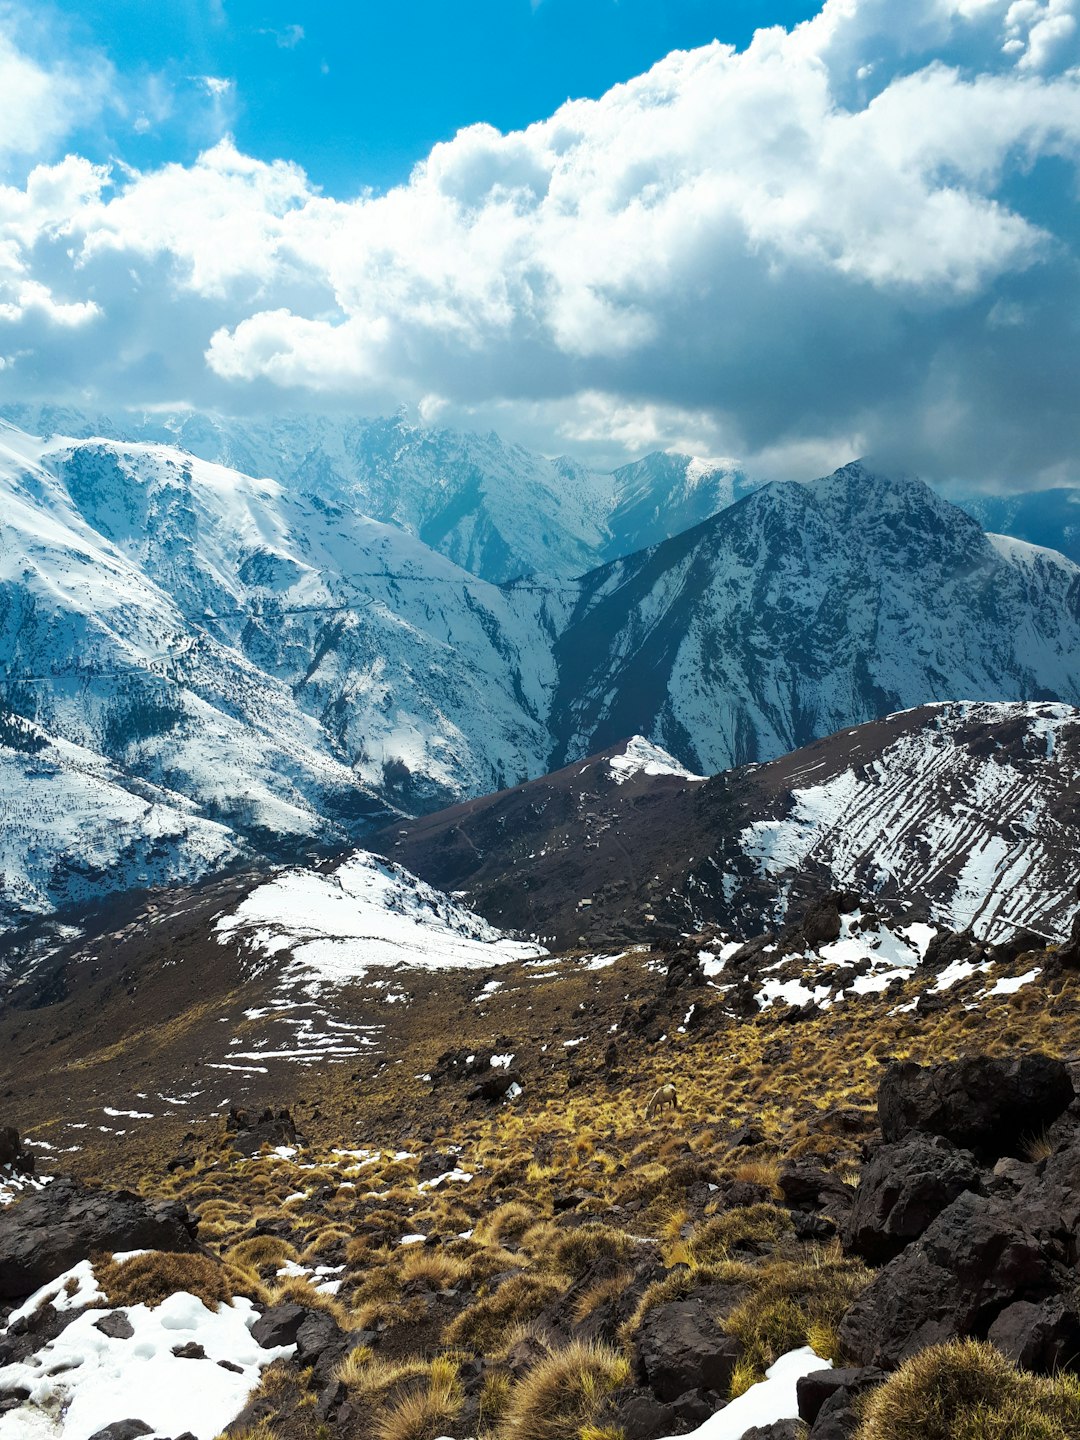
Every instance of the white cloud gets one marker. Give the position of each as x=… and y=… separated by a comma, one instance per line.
x=809, y=243
x=42, y=100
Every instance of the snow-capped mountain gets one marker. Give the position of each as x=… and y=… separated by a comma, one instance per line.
x=498, y=510
x=964, y=815
x=804, y=608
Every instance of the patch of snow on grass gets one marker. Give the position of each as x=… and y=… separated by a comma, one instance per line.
x=772, y=1399
x=85, y=1292
x=83, y=1380
x=462, y=1177
x=1005, y=986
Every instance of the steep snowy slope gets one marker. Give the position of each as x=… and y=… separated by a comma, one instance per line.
x=288, y=664
x=664, y=494
x=804, y=608
x=74, y=828
x=962, y=814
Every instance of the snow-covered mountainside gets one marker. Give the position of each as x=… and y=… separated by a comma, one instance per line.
x=294, y=668
x=75, y=827
x=966, y=815
x=804, y=608
x=498, y=510
x=217, y=666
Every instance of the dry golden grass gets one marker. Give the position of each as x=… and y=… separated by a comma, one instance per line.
x=261, y=1252
x=424, y=1413
x=563, y=1393
x=791, y=1299
x=969, y=1391
x=484, y=1324
x=576, y=1252
x=435, y=1269
x=151, y=1278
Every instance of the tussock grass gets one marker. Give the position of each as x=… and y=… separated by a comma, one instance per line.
x=261, y=1252
x=576, y=1252
x=750, y=1227
x=562, y=1396
x=151, y=1278
x=425, y=1413
x=482, y=1327
x=789, y=1301
x=967, y=1390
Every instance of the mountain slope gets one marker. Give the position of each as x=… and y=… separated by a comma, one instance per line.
x=966, y=815
x=1041, y=517
x=294, y=668
x=803, y=608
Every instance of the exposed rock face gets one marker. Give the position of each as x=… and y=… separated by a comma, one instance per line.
x=988, y=1105
x=1044, y=1337
x=976, y=1258
x=249, y=1133
x=680, y=1348
x=13, y=1155
x=903, y=1189
x=46, y=1233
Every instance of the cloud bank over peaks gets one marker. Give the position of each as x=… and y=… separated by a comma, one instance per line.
x=859, y=235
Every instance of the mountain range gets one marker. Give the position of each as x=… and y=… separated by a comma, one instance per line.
x=204, y=666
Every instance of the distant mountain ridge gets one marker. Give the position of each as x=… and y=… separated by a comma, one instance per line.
x=497, y=510
x=804, y=608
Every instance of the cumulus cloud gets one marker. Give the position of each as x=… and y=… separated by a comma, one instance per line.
x=42, y=99
x=851, y=235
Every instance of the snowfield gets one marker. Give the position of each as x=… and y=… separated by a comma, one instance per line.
x=338, y=925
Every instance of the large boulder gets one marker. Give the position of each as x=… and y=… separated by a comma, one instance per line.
x=681, y=1348
x=990, y=1106
x=48, y=1232
x=807, y=1186
x=903, y=1189
x=976, y=1258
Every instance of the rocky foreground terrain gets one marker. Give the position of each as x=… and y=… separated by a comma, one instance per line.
x=859, y=1221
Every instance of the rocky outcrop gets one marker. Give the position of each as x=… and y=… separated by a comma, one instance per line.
x=976, y=1258
x=249, y=1133
x=903, y=1189
x=991, y=1106
x=46, y=1233
x=13, y=1154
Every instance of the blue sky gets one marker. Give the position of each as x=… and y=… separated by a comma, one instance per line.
x=843, y=229
x=358, y=92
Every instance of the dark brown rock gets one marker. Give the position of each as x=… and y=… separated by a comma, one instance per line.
x=680, y=1348
x=976, y=1258
x=1043, y=1337
x=903, y=1189
x=116, y=1325
x=46, y=1233
x=278, y=1326
x=988, y=1105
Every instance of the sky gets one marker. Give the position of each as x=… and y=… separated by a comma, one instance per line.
x=777, y=233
